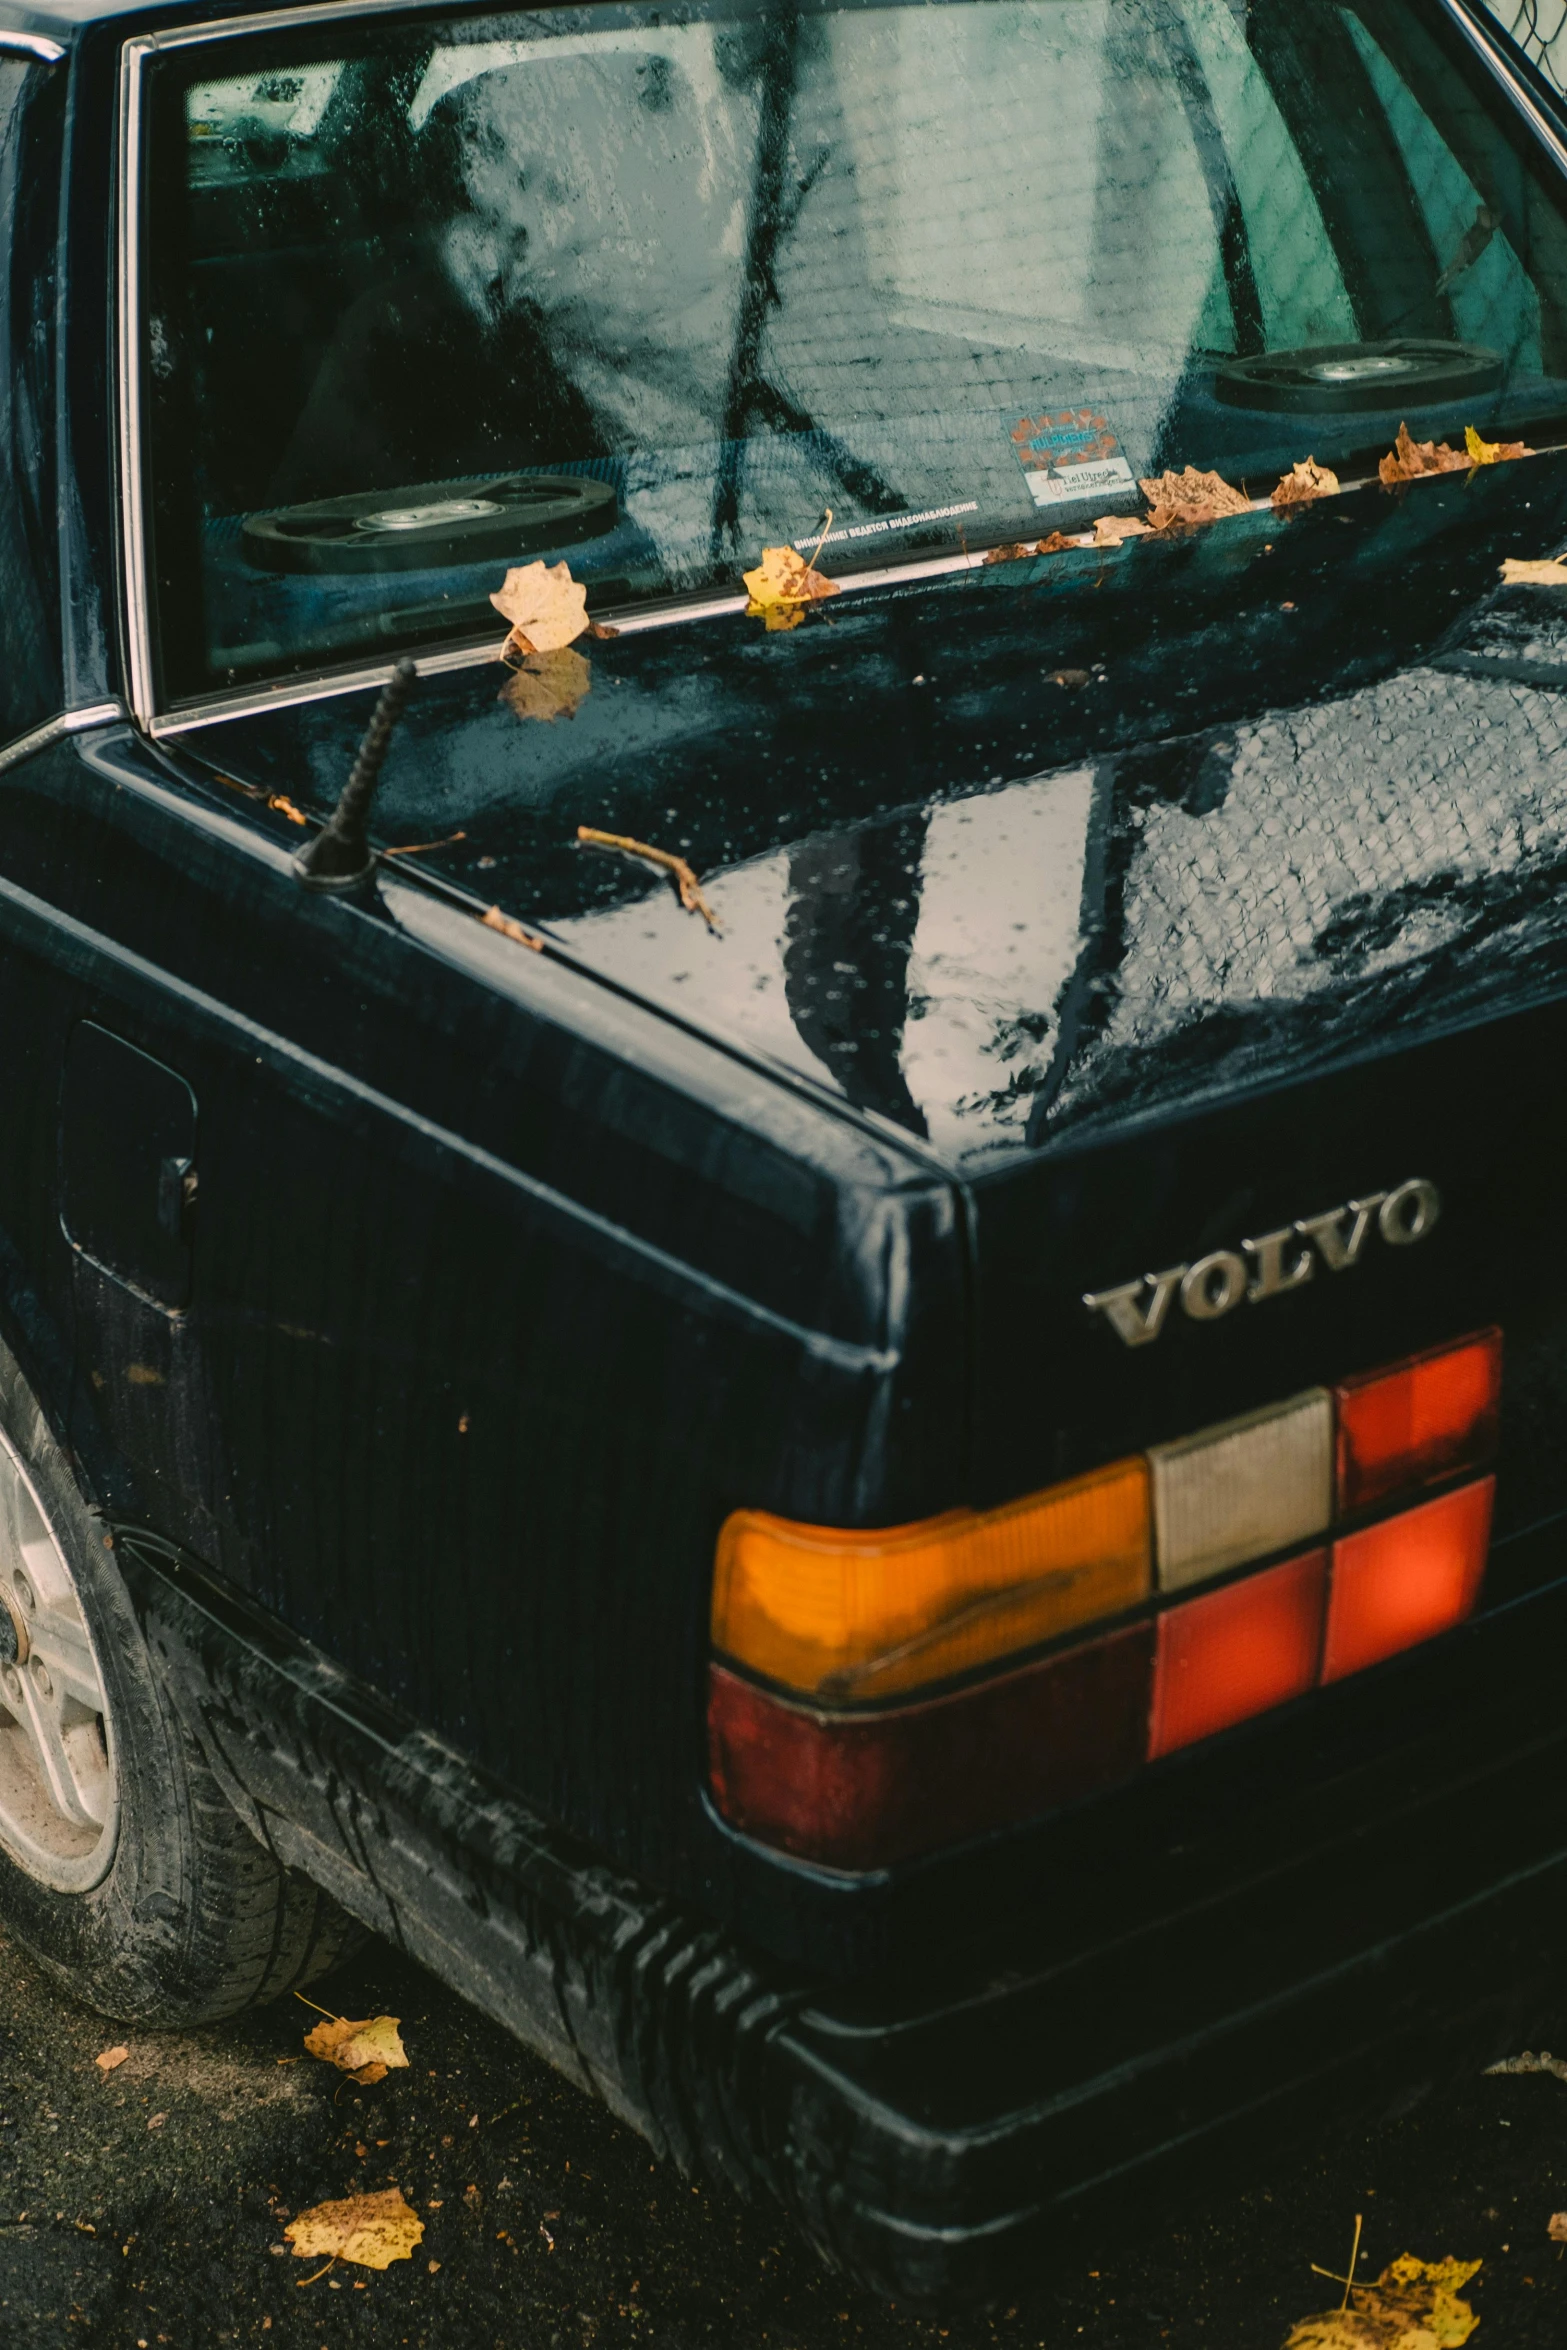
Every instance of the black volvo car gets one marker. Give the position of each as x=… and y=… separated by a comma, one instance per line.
x=824, y=1333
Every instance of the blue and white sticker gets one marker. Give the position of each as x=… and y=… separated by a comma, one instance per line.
x=1069, y=458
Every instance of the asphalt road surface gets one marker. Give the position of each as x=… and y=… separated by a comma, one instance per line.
x=147, y=2206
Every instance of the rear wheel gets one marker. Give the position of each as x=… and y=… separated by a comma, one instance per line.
x=123, y=1868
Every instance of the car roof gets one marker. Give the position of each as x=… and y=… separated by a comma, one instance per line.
x=64, y=20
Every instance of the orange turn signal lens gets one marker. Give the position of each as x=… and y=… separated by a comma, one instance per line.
x=1431, y=1415
x=1236, y=1652
x=1407, y=1579
x=847, y=1615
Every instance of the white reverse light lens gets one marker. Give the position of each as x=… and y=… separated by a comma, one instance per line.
x=1245, y=1488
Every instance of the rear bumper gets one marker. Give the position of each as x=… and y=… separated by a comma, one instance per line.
x=1403, y=1916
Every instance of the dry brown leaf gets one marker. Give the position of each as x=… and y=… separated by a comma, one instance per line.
x=370, y=2230
x=494, y=919
x=684, y=878
x=547, y=608
x=111, y=2059
x=1111, y=529
x=1409, y=460
x=1545, y=2062
x=1056, y=544
x=1306, y=481
x=1414, y=2305
x=1547, y=571
x=366, y=2051
x=782, y=585
x=548, y=685
x=285, y=808
x=1556, y=2227
x=1481, y=452
x=1012, y=554
x=1180, y=501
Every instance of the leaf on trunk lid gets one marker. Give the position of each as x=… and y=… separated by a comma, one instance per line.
x=1414, y=2305
x=1545, y=2062
x=1306, y=481
x=370, y=2230
x=1547, y=571
x=782, y=585
x=547, y=608
x=548, y=685
x=494, y=919
x=1410, y=460
x=366, y=2051
x=1111, y=529
x=1492, y=452
x=1180, y=501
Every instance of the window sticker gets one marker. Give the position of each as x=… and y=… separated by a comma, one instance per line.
x=1068, y=457
x=888, y=522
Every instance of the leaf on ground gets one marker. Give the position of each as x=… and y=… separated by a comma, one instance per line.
x=1306, y=481
x=548, y=685
x=1548, y=571
x=1111, y=529
x=1180, y=501
x=494, y=919
x=1545, y=2062
x=782, y=585
x=1492, y=452
x=366, y=2051
x=547, y=608
x=111, y=2059
x=679, y=871
x=1410, y=460
x=1556, y=2227
x=1414, y=2305
x=370, y=2230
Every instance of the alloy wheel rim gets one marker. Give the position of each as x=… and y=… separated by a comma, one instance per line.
x=59, y=1786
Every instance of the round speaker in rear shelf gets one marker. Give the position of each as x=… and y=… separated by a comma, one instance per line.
x=1340, y=379
x=434, y=524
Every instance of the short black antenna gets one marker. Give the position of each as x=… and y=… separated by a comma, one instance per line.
x=339, y=857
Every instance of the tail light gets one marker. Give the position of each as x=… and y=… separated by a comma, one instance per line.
x=900, y=1714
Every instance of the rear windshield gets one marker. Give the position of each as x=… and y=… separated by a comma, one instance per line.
x=646, y=290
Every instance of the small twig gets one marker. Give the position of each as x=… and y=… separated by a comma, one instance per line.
x=302, y=2282
x=420, y=848
x=685, y=880
x=821, y=542
x=316, y=2004
x=1354, y=2255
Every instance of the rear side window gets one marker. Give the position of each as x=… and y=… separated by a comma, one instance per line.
x=31, y=113
x=645, y=296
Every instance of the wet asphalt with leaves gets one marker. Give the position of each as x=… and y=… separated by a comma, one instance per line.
x=147, y=2206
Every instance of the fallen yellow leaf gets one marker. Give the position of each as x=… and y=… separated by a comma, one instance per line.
x=1306, y=481
x=1409, y=459
x=494, y=919
x=111, y=2059
x=1548, y=571
x=1556, y=2227
x=370, y=2230
x=1413, y=2305
x=547, y=608
x=1111, y=529
x=1182, y=500
x=549, y=685
x=782, y=585
x=1492, y=452
x=366, y=2051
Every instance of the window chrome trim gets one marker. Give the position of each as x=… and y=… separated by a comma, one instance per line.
x=1477, y=34
x=133, y=513
x=56, y=729
x=35, y=45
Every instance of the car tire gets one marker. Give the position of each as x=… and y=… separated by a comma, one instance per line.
x=124, y=1870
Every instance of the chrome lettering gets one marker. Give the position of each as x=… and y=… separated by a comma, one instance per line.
x=1337, y=1250
x=1409, y=1213
x=1213, y=1285
x=1274, y=1277
x=1134, y=1324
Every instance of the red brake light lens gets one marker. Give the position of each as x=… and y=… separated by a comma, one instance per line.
x=1236, y=1652
x=1433, y=1415
x=857, y=1791
x=1407, y=1579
